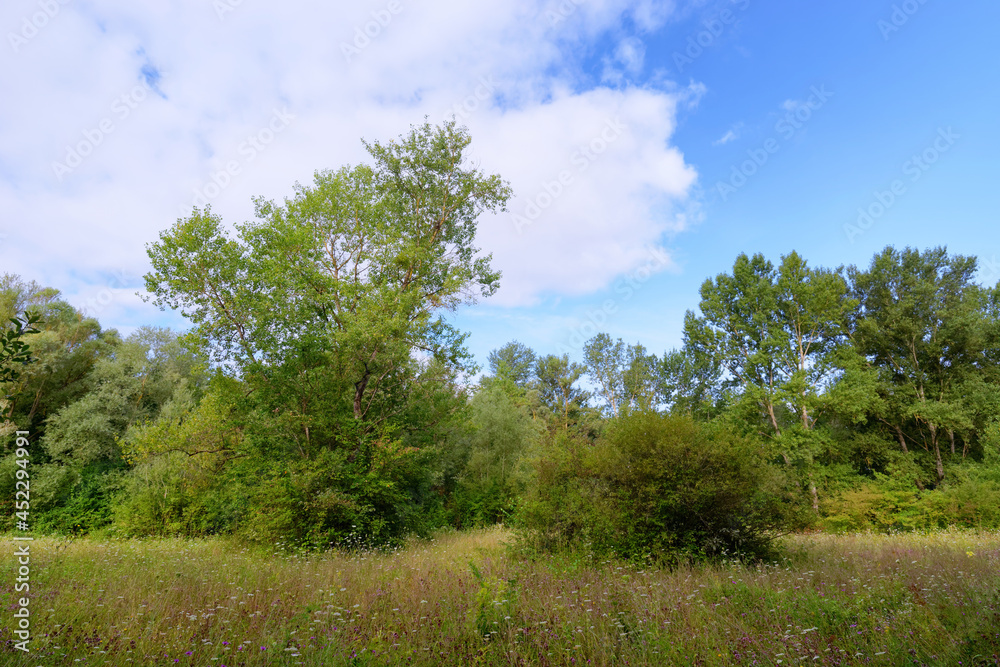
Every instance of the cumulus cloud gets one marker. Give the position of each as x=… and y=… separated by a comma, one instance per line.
x=121, y=116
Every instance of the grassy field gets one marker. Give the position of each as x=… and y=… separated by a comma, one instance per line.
x=465, y=599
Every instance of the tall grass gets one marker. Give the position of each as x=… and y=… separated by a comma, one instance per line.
x=466, y=598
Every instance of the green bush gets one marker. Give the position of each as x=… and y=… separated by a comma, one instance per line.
x=558, y=510
x=174, y=494
x=500, y=439
x=474, y=505
x=969, y=498
x=374, y=496
x=663, y=488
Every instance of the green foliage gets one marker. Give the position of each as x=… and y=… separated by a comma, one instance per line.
x=559, y=510
x=625, y=375
x=502, y=436
x=926, y=328
x=662, y=488
x=63, y=500
x=14, y=350
x=971, y=499
x=493, y=611
x=340, y=285
x=689, y=380
x=514, y=362
x=65, y=351
x=177, y=484
x=558, y=390
x=88, y=505
x=334, y=501
x=328, y=309
x=170, y=495
x=338, y=411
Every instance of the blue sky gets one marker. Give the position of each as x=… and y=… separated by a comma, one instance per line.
x=719, y=127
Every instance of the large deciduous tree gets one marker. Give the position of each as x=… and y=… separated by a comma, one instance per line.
x=336, y=291
x=778, y=333
x=557, y=387
x=626, y=376
x=930, y=335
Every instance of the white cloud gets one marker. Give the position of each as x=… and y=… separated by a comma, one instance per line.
x=627, y=61
x=223, y=80
x=732, y=134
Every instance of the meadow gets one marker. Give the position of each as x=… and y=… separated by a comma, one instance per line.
x=470, y=598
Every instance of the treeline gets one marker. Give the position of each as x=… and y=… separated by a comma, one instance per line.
x=322, y=398
x=870, y=393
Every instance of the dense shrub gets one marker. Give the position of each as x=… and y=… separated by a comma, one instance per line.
x=335, y=499
x=658, y=487
x=174, y=494
x=501, y=437
x=970, y=498
x=64, y=499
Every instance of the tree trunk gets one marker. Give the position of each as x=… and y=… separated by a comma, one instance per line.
x=951, y=437
x=774, y=419
x=359, y=392
x=902, y=440
x=937, y=450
